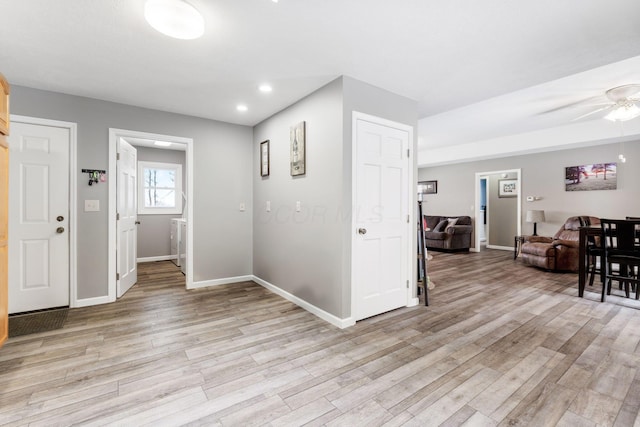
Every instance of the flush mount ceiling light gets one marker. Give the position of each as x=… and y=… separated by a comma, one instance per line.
x=174, y=18
x=242, y=108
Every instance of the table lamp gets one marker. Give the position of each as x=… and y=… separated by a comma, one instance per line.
x=535, y=216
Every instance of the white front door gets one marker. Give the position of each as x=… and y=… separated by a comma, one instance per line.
x=381, y=260
x=127, y=235
x=38, y=217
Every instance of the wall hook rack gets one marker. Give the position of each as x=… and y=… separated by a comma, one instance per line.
x=96, y=175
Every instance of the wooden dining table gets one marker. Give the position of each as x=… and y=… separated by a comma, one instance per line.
x=583, y=262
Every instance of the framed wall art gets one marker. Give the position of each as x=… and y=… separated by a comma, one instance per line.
x=598, y=176
x=507, y=188
x=427, y=187
x=298, y=155
x=264, y=158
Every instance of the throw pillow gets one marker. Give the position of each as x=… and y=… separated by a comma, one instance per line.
x=452, y=221
x=441, y=226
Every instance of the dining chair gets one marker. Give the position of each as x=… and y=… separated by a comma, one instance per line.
x=620, y=248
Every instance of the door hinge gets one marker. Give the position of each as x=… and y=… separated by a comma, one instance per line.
x=117, y=156
x=117, y=276
x=408, y=219
x=117, y=217
x=407, y=284
x=408, y=152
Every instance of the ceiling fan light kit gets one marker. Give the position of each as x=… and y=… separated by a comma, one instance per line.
x=624, y=100
x=174, y=18
x=623, y=113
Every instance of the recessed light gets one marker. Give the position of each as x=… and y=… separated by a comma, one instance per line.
x=162, y=143
x=265, y=88
x=275, y=1
x=242, y=108
x=174, y=18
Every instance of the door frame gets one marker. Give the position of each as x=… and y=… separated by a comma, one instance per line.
x=114, y=134
x=480, y=175
x=411, y=200
x=73, y=195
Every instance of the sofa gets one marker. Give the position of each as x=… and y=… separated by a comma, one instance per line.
x=448, y=233
x=560, y=252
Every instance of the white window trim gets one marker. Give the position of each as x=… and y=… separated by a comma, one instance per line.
x=142, y=210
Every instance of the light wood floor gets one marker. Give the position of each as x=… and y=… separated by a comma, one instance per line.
x=501, y=344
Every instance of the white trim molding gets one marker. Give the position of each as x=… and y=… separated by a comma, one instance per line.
x=219, y=282
x=114, y=134
x=157, y=258
x=328, y=317
x=86, y=302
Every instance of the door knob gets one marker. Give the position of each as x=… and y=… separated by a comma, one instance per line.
x=60, y=218
x=137, y=222
x=362, y=231
x=60, y=230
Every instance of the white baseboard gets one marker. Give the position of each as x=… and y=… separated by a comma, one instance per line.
x=218, y=282
x=157, y=258
x=501, y=248
x=86, y=302
x=328, y=317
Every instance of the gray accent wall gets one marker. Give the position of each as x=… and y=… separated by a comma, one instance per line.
x=154, y=230
x=543, y=176
x=222, y=180
x=301, y=252
x=308, y=254
x=502, y=215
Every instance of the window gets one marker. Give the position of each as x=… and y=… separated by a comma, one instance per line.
x=159, y=188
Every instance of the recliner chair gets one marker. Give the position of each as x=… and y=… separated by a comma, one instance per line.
x=560, y=252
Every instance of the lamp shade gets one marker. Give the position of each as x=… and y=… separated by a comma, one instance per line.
x=535, y=216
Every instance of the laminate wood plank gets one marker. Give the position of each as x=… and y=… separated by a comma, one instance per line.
x=501, y=389
x=456, y=399
x=511, y=340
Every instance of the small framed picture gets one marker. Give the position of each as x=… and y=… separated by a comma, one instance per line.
x=427, y=187
x=508, y=188
x=298, y=156
x=264, y=158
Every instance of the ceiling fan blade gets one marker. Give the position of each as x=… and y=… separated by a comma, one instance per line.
x=573, y=104
x=593, y=112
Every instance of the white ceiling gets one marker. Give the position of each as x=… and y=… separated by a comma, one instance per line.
x=479, y=70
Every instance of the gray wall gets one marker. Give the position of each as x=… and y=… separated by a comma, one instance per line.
x=154, y=230
x=222, y=180
x=543, y=176
x=502, y=215
x=301, y=253
x=308, y=254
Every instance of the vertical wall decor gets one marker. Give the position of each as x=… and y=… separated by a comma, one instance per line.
x=298, y=157
x=264, y=158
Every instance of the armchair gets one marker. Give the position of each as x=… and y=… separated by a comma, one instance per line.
x=560, y=252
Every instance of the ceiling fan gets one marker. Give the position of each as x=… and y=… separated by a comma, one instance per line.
x=623, y=103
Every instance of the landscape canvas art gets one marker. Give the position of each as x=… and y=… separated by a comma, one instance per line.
x=598, y=176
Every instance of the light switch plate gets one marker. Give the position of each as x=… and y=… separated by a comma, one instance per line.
x=242, y=207
x=298, y=206
x=92, y=205
x=268, y=206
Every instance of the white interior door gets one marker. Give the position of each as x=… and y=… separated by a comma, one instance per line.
x=381, y=247
x=127, y=235
x=38, y=217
